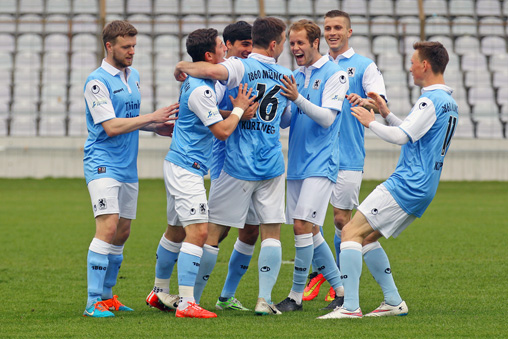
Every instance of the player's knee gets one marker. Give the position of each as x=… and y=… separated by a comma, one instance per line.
x=340, y=221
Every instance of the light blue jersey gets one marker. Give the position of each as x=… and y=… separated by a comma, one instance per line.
x=364, y=76
x=219, y=146
x=107, y=96
x=415, y=180
x=191, y=146
x=314, y=150
x=253, y=151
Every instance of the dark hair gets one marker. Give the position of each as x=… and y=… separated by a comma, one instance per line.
x=435, y=53
x=201, y=41
x=115, y=29
x=266, y=30
x=240, y=30
x=334, y=13
x=313, y=31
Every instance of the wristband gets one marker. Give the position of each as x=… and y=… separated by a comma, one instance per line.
x=238, y=112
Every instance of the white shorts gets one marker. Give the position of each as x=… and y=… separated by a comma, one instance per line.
x=384, y=214
x=231, y=198
x=186, y=196
x=252, y=216
x=308, y=199
x=110, y=196
x=346, y=190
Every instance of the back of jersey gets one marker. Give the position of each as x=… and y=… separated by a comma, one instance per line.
x=254, y=151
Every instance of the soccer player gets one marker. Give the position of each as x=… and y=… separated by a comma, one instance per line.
x=364, y=76
x=425, y=137
x=254, y=164
x=317, y=91
x=186, y=163
x=112, y=115
x=238, y=40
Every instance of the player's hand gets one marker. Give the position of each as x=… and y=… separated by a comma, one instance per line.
x=290, y=89
x=165, y=114
x=364, y=116
x=243, y=100
x=251, y=111
x=179, y=75
x=380, y=103
x=165, y=129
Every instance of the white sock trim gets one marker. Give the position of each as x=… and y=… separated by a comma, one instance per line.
x=163, y=284
x=369, y=247
x=318, y=239
x=351, y=245
x=186, y=292
x=169, y=245
x=244, y=248
x=270, y=242
x=338, y=232
x=211, y=249
x=191, y=249
x=303, y=240
x=116, y=250
x=99, y=246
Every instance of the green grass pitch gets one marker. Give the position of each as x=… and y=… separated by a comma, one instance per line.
x=451, y=267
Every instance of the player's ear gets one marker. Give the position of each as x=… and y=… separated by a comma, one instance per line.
x=208, y=56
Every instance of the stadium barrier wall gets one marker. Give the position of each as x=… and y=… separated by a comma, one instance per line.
x=41, y=157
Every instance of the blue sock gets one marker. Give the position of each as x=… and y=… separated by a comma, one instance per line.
x=336, y=242
x=325, y=261
x=379, y=266
x=238, y=265
x=206, y=266
x=97, y=265
x=115, y=261
x=167, y=256
x=188, y=264
x=269, y=261
x=303, y=257
x=351, y=264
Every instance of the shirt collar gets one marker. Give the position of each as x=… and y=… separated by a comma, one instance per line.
x=262, y=58
x=437, y=86
x=113, y=70
x=346, y=55
x=318, y=64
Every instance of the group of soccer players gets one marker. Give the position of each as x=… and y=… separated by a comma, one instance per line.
x=229, y=116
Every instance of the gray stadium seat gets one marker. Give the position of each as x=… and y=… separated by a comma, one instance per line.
x=409, y=25
x=500, y=78
x=7, y=42
x=192, y=22
x=84, y=42
x=383, y=25
x=30, y=23
x=461, y=7
x=437, y=25
x=467, y=44
x=493, y=45
x=390, y=61
x=477, y=78
x=116, y=7
x=218, y=7
x=58, y=6
x=299, y=7
x=86, y=6
x=7, y=23
x=246, y=7
x=488, y=8
x=406, y=7
x=57, y=43
x=360, y=44
x=435, y=7
x=360, y=25
x=324, y=6
x=355, y=7
x=31, y=6
x=57, y=23
x=166, y=24
x=85, y=23
x=491, y=26
x=380, y=7
x=463, y=25
x=141, y=6
x=165, y=6
x=502, y=96
x=142, y=22
x=474, y=62
x=8, y=6
x=384, y=43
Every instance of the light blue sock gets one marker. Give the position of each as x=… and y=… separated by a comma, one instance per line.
x=115, y=261
x=336, y=242
x=166, y=258
x=303, y=257
x=325, y=261
x=269, y=261
x=206, y=266
x=379, y=266
x=238, y=265
x=351, y=264
x=188, y=264
x=97, y=264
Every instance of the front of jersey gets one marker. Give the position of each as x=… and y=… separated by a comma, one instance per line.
x=191, y=146
x=314, y=150
x=107, y=96
x=254, y=151
x=415, y=180
x=364, y=76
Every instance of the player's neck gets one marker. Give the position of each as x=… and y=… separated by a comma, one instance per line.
x=434, y=79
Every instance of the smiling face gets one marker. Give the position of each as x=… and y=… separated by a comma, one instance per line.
x=240, y=48
x=337, y=33
x=305, y=53
x=121, y=53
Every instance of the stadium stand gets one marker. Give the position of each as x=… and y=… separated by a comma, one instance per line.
x=48, y=47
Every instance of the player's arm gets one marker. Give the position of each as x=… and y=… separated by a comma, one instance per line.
x=322, y=116
x=200, y=69
x=99, y=103
x=285, y=120
x=372, y=81
x=391, y=134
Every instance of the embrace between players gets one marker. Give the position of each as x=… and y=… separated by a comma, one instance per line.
x=229, y=116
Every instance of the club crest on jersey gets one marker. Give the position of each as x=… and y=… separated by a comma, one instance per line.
x=374, y=211
x=422, y=105
x=96, y=89
x=351, y=71
x=207, y=93
x=342, y=79
x=316, y=84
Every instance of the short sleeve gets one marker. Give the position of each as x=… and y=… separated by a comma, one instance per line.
x=99, y=102
x=203, y=102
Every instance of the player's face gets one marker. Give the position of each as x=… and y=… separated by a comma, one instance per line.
x=280, y=47
x=220, y=51
x=121, y=54
x=337, y=34
x=240, y=49
x=305, y=53
x=417, y=68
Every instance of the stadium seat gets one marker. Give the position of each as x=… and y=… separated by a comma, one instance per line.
x=355, y=7
x=27, y=61
x=54, y=76
x=166, y=43
x=116, y=6
x=461, y=7
x=480, y=94
x=8, y=6
x=30, y=23
x=399, y=100
x=493, y=45
x=437, y=25
x=55, y=61
x=474, y=62
x=85, y=23
x=167, y=94
x=143, y=45
x=7, y=23
x=219, y=7
x=380, y=7
x=141, y=6
x=7, y=43
x=384, y=43
x=477, y=78
x=491, y=26
x=52, y=118
x=57, y=23
x=445, y=40
x=360, y=25
x=23, y=114
x=87, y=6
x=390, y=61
x=192, y=22
x=58, y=6
x=6, y=64
x=56, y=43
x=395, y=78
x=383, y=25
x=435, y=7
x=324, y=6
x=246, y=7
x=31, y=6
x=467, y=45
x=464, y=25
x=219, y=22
x=488, y=8
x=502, y=96
x=500, y=78
x=409, y=25
x=166, y=24
x=143, y=61
x=85, y=42
x=406, y=7
x=359, y=43
x=165, y=6
x=299, y=7
x=142, y=22
x=505, y=8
